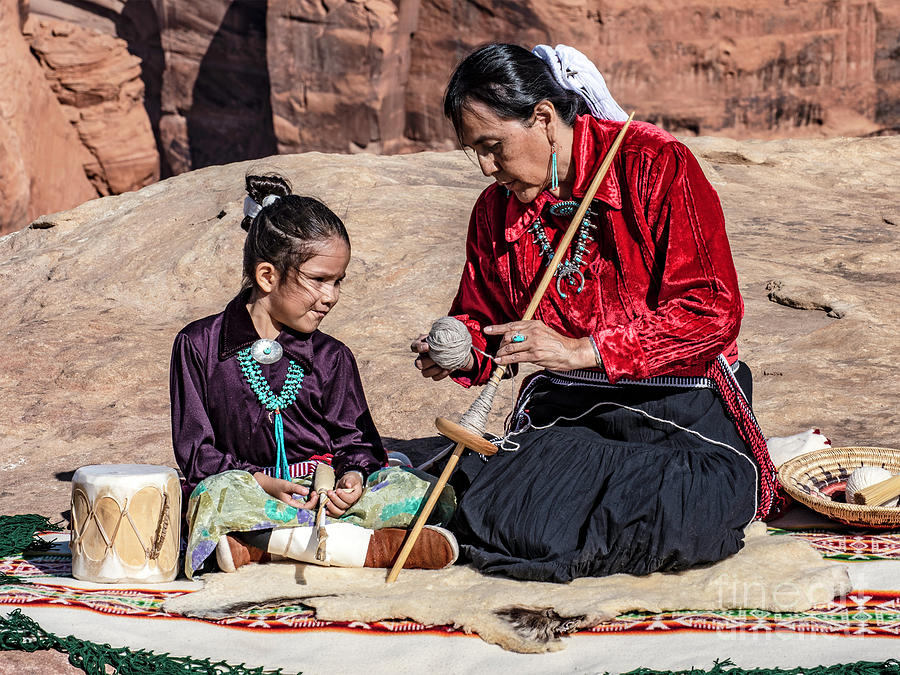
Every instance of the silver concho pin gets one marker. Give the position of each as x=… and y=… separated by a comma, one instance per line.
x=266, y=351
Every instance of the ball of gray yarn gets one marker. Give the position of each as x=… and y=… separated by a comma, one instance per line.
x=449, y=343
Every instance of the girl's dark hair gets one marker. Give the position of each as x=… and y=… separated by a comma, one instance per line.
x=511, y=81
x=286, y=232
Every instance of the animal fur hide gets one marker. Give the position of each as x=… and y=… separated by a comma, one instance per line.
x=776, y=573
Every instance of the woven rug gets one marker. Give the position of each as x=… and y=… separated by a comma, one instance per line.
x=267, y=637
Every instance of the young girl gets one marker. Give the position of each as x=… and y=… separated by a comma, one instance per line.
x=260, y=396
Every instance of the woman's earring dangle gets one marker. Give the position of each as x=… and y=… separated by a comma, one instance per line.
x=554, y=175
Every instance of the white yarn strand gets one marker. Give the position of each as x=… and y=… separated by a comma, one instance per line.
x=661, y=420
x=576, y=72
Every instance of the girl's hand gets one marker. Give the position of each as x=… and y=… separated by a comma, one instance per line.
x=346, y=493
x=284, y=490
x=541, y=346
x=426, y=364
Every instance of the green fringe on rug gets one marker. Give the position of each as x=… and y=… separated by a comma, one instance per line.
x=727, y=667
x=17, y=533
x=17, y=536
x=21, y=632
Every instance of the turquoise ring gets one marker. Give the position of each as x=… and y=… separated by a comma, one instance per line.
x=518, y=337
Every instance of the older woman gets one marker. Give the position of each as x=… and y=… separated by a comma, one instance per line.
x=637, y=450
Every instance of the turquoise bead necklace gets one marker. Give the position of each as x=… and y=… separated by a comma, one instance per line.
x=259, y=385
x=570, y=269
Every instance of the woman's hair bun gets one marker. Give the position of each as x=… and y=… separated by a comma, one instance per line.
x=510, y=80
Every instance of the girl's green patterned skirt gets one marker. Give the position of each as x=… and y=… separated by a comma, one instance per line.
x=234, y=502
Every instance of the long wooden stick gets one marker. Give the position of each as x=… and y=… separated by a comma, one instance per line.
x=498, y=372
x=465, y=439
x=413, y=535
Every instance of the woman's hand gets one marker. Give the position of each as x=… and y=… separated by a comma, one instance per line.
x=285, y=490
x=346, y=493
x=541, y=346
x=426, y=364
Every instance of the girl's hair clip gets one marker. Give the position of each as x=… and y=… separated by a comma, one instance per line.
x=252, y=207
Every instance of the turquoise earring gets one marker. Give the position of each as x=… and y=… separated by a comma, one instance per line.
x=554, y=175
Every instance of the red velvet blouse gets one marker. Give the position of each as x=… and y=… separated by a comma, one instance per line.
x=661, y=292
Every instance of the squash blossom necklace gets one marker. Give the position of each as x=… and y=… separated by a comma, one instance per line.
x=570, y=269
x=269, y=351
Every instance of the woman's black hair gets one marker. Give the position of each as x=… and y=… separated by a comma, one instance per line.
x=286, y=232
x=510, y=81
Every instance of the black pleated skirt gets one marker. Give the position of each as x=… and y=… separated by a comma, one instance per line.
x=616, y=490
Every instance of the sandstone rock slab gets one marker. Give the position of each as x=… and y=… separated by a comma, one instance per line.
x=91, y=298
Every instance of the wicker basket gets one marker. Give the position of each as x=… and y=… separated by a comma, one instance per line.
x=815, y=478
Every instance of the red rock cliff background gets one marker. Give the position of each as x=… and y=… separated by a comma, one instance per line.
x=135, y=90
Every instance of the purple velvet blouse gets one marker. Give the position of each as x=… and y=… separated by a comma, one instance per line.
x=218, y=423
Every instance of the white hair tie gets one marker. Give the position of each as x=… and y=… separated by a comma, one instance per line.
x=575, y=72
x=252, y=207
